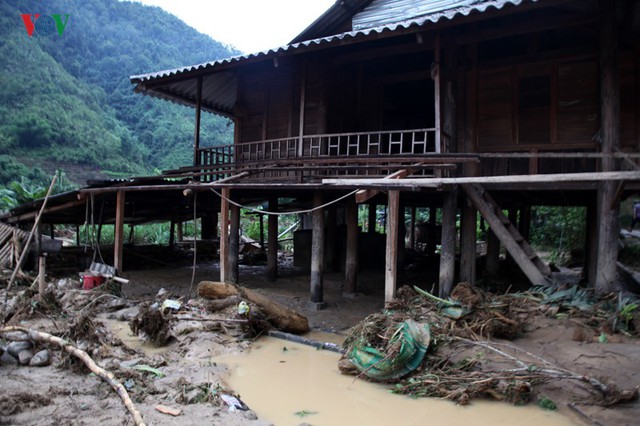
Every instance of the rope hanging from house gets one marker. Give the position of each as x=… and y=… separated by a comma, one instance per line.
x=269, y=213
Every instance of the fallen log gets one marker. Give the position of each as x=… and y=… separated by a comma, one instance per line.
x=87, y=360
x=283, y=317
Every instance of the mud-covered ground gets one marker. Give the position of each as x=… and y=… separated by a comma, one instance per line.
x=192, y=383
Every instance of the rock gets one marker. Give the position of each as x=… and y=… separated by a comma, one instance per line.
x=25, y=356
x=41, y=359
x=250, y=415
x=126, y=314
x=14, y=348
x=8, y=359
x=83, y=345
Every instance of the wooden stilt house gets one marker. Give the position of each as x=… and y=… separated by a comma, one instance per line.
x=472, y=108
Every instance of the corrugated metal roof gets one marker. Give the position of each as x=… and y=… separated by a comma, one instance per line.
x=220, y=96
x=384, y=12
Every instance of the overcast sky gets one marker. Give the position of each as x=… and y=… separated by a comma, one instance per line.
x=249, y=25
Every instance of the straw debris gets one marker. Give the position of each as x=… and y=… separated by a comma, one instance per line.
x=463, y=362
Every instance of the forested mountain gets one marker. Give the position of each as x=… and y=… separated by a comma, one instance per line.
x=66, y=98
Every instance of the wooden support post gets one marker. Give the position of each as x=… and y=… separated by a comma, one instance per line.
x=261, y=242
x=172, y=231
x=317, y=255
x=42, y=283
x=468, y=236
x=179, y=231
x=272, y=241
x=119, y=232
x=391, y=260
x=234, y=243
x=131, y=233
x=52, y=229
x=435, y=75
x=372, y=216
x=303, y=91
x=492, y=262
x=330, y=254
x=224, y=235
x=196, y=137
x=78, y=235
x=608, y=211
x=448, y=244
x=351, y=261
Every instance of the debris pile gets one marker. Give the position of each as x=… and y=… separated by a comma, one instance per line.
x=462, y=361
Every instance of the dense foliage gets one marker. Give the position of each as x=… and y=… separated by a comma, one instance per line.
x=67, y=98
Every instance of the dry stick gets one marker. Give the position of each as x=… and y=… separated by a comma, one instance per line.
x=33, y=230
x=556, y=372
x=86, y=359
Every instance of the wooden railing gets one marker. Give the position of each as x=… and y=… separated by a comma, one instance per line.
x=217, y=160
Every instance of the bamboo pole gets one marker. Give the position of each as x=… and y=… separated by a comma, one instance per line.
x=26, y=246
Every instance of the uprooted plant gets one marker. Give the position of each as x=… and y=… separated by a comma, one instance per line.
x=462, y=363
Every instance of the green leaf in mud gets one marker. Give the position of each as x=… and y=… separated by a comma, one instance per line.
x=147, y=369
x=304, y=413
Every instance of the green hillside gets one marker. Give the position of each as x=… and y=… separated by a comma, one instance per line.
x=66, y=100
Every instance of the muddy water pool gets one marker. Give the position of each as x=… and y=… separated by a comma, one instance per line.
x=290, y=384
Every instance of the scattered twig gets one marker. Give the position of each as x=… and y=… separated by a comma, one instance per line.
x=86, y=359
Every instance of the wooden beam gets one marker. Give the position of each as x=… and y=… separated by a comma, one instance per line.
x=317, y=254
x=435, y=75
x=196, y=137
x=448, y=244
x=608, y=230
x=119, y=232
x=224, y=235
x=513, y=248
x=351, y=258
x=503, y=180
x=366, y=194
x=272, y=241
x=303, y=94
x=391, y=259
x=28, y=216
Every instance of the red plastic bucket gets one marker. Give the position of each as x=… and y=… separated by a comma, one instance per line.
x=91, y=281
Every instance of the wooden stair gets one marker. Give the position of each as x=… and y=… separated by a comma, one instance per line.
x=525, y=257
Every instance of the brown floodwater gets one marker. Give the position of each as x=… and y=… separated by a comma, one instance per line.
x=289, y=384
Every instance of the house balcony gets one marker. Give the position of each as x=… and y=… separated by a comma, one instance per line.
x=310, y=158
